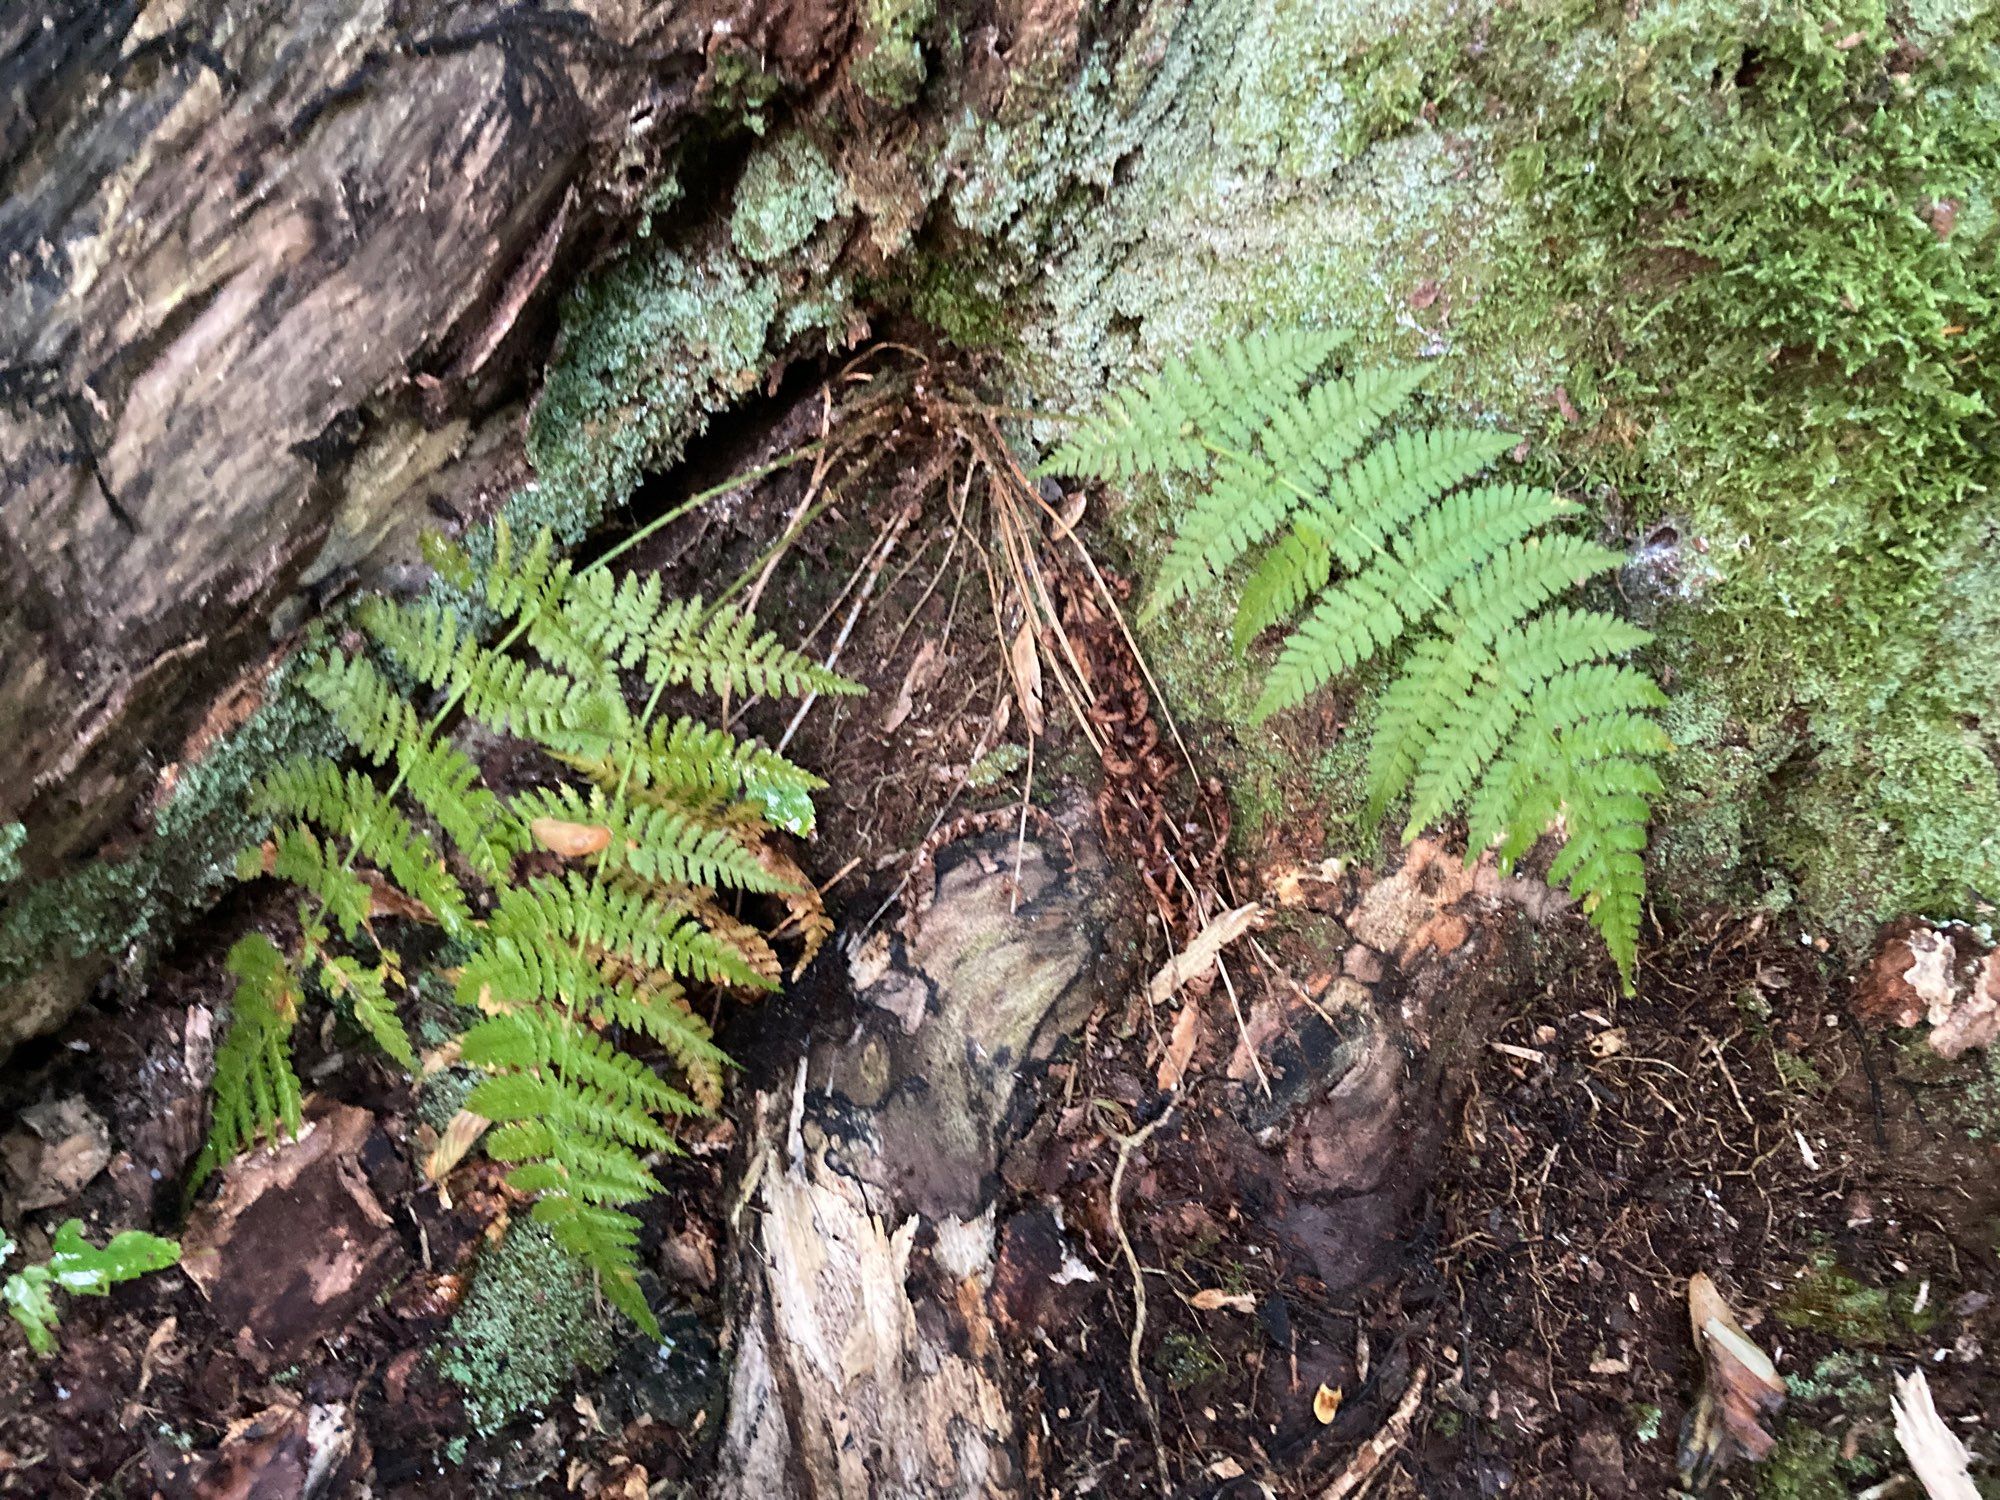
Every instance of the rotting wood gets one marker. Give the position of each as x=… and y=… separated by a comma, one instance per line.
x=867, y=1363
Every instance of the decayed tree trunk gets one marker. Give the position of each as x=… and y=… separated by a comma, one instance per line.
x=865, y=1360
x=264, y=270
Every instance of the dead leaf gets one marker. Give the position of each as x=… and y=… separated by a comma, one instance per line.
x=454, y=1141
x=1180, y=1046
x=1214, y=1299
x=1608, y=1043
x=570, y=840
x=1936, y=1456
x=1740, y=1388
x=1326, y=1403
x=1606, y=1365
x=1026, y=663
x=1200, y=956
x=58, y=1148
x=386, y=900
x=149, y=1361
x=923, y=672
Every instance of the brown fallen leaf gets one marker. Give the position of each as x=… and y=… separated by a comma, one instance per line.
x=1214, y=1299
x=58, y=1148
x=1326, y=1403
x=570, y=840
x=1194, y=961
x=1740, y=1388
x=1025, y=661
x=454, y=1141
x=1180, y=1046
x=150, y=1360
x=924, y=670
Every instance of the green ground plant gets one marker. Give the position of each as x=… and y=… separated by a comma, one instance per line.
x=79, y=1269
x=1505, y=705
x=584, y=904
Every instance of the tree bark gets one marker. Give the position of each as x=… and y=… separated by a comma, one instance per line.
x=867, y=1363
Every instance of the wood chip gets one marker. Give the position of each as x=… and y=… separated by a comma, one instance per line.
x=1180, y=1046
x=1937, y=1457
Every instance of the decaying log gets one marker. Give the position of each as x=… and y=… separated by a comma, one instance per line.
x=866, y=1363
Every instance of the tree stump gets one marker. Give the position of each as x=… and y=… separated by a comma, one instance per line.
x=866, y=1363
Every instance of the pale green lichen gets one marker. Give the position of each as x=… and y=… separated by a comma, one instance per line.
x=889, y=62
x=529, y=1322
x=129, y=909
x=786, y=192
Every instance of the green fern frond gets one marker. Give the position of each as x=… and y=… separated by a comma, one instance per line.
x=656, y=844
x=380, y=834
x=720, y=651
x=1157, y=425
x=699, y=767
x=371, y=714
x=1253, y=494
x=366, y=990
x=1506, y=703
x=513, y=584
x=614, y=617
x=256, y=1093
x=300, y=856
x=669, y=814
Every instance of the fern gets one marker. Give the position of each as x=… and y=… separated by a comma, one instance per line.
x=1504, y=703
x=659, y=818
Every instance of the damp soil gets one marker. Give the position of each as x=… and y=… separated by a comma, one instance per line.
x=1457, y=1158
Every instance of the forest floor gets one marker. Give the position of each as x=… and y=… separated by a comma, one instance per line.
x=1420, y=1182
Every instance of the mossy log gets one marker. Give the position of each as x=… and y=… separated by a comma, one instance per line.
x=867, y=1362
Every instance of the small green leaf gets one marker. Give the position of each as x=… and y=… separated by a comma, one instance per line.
x=788, y=807
x=81, y=1269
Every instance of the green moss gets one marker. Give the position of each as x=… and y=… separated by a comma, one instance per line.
x=1805, y=1465
x=128, y=909
x=961, y=301
x=889, y=65
x=1185, y=1360
x=524, y=1329
x=1833, y=1302
x=786, y=192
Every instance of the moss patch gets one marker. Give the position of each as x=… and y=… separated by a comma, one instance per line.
x=526, y=1326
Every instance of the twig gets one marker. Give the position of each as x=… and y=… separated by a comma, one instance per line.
x=1236, y=1010
x=1127, y=1144
x=1388, y=1438
x=896, y=529
x=1021, y=837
